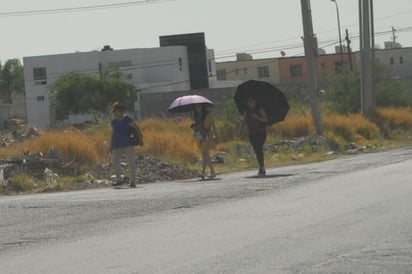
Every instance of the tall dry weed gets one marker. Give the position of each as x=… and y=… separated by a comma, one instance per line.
x=71, y=146
x=395, y=118
x=294, y=126
x=169, y=139
x=351, y=126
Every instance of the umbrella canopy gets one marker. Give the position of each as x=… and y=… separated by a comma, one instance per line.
x=187, y=103
x=269, y=97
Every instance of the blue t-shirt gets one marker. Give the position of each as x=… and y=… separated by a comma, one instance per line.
x=120, y=132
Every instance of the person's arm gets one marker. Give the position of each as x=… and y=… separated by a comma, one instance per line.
x=213, y=129
x=111, y=141
x=242, y=125
x=262, y=117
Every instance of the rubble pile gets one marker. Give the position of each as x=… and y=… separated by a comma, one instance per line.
x=299, y=144
x=17, y=131
x=39, y=166
x=149, y=169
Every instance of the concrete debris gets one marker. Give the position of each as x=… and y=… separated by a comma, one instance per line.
x=17, y=131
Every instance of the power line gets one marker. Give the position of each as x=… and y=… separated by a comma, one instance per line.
x=80, y=9
x=172, y=62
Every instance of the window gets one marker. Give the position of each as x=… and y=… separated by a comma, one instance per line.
x=295, y=70
x=245, y=71
x=129, y=76
x=263, y=71
x=237, y=71
x=39, y=74
x=221, y=74
x=180, y=63
x=40, y=98
x=392, y=61
x=401, y=60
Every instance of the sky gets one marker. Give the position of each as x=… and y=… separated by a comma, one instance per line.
x=262, y=28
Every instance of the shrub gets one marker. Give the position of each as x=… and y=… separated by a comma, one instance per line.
x=169, y=138
x=293, y=126
x=395, y=118
x=19, y=184
x=341, y=126
x=228, y=121
x=349, y=127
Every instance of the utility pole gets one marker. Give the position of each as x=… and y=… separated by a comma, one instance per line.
x=348, y=41
x=340, y=36
x=311, y=49
x=393, y=35
x=367, y=55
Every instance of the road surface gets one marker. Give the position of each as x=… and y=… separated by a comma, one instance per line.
x=349, y=215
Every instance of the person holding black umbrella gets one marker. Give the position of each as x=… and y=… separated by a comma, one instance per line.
x=261, y=104
x=255, y=119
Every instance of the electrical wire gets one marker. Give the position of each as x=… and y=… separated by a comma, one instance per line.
x=80, y=9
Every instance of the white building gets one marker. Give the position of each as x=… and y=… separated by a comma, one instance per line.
x=398, y=59
x=149, y=69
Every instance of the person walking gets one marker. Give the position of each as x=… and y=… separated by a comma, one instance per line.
x=120, y=144
x=255, y=119
x=204, y=131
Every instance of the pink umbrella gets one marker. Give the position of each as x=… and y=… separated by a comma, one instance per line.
x=187, y=103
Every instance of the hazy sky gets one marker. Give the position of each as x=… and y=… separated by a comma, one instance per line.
x=260, y=27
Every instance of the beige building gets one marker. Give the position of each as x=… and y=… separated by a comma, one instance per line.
x=245, y=68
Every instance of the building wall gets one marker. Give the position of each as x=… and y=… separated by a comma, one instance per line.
x=327, y=64
x=398, y=59
x=156, y=104
x=249, y=69
x=151, y=70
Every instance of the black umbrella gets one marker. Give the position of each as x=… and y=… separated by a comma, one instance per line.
x=269, y=97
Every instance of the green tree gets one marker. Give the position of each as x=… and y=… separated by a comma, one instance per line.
x=393, y=93
x=343, y=91
x=11, y=79
x=343, y=94
x=390, y=91
x=77, y=93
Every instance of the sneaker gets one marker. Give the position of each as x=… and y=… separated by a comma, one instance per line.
x=262, y=171
x=212, y=175
x=119, y=183
x=132, y=185
x=202, y=175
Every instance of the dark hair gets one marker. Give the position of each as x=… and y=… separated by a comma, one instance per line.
x=203, y=113
x=118, y=106
x=257, y=105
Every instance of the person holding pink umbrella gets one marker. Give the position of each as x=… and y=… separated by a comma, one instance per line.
x=204, y=130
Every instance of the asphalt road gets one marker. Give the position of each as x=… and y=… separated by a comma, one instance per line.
x=349, y=215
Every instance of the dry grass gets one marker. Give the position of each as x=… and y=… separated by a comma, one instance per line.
x=396, y=118
x=71, y=145
x=293, y=126
x=352, y=127
x=172, y=140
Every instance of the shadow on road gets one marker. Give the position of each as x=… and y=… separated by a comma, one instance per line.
x=268, y=176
